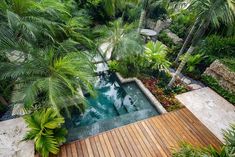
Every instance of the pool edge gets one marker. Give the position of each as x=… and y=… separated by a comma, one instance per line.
x=147, y=93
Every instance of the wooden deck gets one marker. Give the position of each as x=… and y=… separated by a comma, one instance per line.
x=156, y=137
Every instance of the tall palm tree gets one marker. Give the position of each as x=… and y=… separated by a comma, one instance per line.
x=50, y=78
x=212, y=12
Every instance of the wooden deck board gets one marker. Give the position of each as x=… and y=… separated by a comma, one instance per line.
x=156, y=136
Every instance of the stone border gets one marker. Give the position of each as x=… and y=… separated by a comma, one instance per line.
x=147, y=93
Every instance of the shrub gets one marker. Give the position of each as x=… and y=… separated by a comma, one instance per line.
x=181, y=23
x=46, y=131
x=213, y=83
x=128, y=66
x=218, y=47
x=173, y=49
x=165, y=39
x=228, y=150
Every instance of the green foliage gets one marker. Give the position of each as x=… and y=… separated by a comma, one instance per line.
x=217, y=11
x=229, y=137
x=165, y=39
x=113, y=65
x=193, y=62
x=187, y=150
x=229, y=62
x=46, y=131
x=173, y=49
x=155, y=56
x=228, y=150
x=218, y=47
x=121, y=39
x=182, y=22
x=128, y=67
x=212, y=83
x=213, y=47
x=40, y=79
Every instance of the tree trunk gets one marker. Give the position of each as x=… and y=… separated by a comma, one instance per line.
x=199, y=33
x=3, y=101
x=187, y=41
x=181, y=66
x=142, y=18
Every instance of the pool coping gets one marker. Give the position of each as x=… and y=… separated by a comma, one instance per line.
x=147, y=93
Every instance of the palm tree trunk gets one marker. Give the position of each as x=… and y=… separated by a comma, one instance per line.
x=142, y=19
x=199, y=33
x=187, y=41
x=3, y=101
x=181, y=66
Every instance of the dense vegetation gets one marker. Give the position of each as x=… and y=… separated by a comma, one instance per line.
x=47, y=49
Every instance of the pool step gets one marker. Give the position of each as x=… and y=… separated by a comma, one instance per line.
x=108, y=124
x=120, y=109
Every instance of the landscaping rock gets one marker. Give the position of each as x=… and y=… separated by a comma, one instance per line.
x=222, y=74
x=174, y=37
x=158, y=25
x=11, y=136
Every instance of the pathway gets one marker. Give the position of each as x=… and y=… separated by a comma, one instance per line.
x=210, y=108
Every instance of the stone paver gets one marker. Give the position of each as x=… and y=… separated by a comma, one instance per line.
x=210, y=108
x=188, y=81
x=11, y=135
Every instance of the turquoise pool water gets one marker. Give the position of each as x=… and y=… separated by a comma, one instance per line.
x=114, y=106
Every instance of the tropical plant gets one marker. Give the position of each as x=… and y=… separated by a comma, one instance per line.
x=155, y=56
x=121, y=40
x=193, y=61
x=45, y=129
x=228, y=150
x=209, y=12
x=47, y=77
x=229, y=137
x=111, y=6
x=187, y=150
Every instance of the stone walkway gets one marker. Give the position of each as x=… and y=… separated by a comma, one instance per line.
x=189, y=81
x=210, y=108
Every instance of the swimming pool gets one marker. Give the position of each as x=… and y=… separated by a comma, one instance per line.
x=116, y=105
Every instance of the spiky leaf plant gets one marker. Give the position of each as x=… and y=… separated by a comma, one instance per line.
x=155, y=56
x=229, y=137
x=45, y=129
x=50, y=78
x=121, y=39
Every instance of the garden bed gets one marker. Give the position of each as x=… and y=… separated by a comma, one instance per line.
x=165, y=96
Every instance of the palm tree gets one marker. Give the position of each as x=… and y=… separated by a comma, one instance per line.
x=50, y=78
x=209, y=12
x=121, y=40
